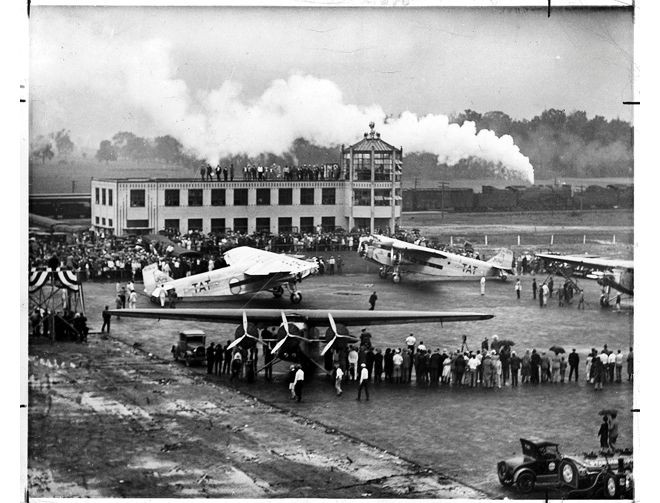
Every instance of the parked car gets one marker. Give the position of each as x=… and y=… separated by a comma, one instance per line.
x=191, y=347
x=542, y=466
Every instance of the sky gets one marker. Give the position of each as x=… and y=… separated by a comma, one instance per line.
x=177, y=70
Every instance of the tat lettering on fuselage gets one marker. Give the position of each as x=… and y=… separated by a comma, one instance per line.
x=469, y=269
x=202, y=286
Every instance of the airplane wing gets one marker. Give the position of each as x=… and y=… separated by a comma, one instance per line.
x=264, y=263
x=409, y=248
x=589, y=261
x=313, y=316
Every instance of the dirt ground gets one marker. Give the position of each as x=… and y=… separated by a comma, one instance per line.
x=109, y=420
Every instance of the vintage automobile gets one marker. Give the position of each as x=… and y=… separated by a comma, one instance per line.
x=542, y=466
x=191, y=347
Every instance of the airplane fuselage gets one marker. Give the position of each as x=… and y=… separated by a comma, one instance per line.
x=453, y=266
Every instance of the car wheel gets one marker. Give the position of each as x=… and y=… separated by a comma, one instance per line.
x=503, y=474
x=610, y=487
x=568, y=474
x=525, y=482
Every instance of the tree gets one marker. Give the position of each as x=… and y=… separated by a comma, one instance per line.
x=63, y=142
x=106, y=152
x=168, y=149
x=44, y=152
x=121, y=143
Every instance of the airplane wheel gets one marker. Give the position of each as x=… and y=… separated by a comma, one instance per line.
x=296, y=297
x=278, y=292
x=382, y=273
x=396, y=279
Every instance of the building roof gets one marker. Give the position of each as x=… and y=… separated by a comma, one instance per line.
x=371, y=141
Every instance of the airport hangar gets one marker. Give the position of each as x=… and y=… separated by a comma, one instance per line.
x=367, y=195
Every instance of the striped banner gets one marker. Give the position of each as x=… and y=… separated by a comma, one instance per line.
x=67, y=279
x=37, y=280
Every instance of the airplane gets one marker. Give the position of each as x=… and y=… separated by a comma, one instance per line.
x=248, y=271
x=610, y=273
x=298, y=334
x=397, y=257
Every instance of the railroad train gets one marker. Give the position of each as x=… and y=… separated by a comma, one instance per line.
x=518, y=198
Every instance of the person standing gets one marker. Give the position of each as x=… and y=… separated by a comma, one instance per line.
x=397, y=363
x=573, y=363
x=518, y=287
x=612, y=431
x=364, y=382
x=217, y=359
x=534, y=289
x=339, y=375
x=514, y=362
x=352, y=363
x=482, y=283
x=581, y=300
x=298, y=382
x=611, y=364
x=562, y=369
x=629, y=364
x=410, y=342
x=107, y=317
x=603, y=434
x=291, y=381
x=618, y=365
x=268, y=359
x=372, y=301
x=226, y=366
x=132, y=300
x=378, y=366
x=210, y=358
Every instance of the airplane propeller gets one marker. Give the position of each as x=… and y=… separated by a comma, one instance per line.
x=288, y=335
x=334, y=329
x=245, y=334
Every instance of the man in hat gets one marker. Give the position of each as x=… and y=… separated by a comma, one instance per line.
x=372, y=301
x=298, y=382
x=364, y=381
x=410, y=342
x=339, y=374
x=514, y=363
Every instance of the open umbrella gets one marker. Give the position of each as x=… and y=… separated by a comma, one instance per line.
x=507, y=342
x=557, y=349
x=608, y=412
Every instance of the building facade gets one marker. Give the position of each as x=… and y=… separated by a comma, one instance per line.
x=367, y=196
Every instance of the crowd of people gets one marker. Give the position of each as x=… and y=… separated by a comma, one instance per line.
x=259, y=172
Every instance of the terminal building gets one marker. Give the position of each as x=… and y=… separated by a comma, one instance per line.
x=366, y=195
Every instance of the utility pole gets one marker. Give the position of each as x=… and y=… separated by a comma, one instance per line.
x=414, y=205
x=442, y=199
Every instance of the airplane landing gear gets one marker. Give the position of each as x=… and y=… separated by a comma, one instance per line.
x=278, y=291
x=296, y=297
x=396, y=278
x=382, y=272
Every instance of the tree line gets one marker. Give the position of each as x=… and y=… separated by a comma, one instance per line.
x=557, y=144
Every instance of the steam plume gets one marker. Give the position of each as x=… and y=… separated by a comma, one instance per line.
x=219, y=122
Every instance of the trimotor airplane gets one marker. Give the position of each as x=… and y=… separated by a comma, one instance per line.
x=397, y=257
x=295, y=334
x=610, y=273
x=248, y=271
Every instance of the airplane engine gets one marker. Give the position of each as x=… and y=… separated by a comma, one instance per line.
x=341, y=330
x=248, y=342
x=292, y=344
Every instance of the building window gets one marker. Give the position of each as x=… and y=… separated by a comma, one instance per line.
x=307, y=224
x=218, y=225
x=103, y=196
x=172, y=197
x=135, y=223
x=306, y=196
x=195, y=197
x=328, y=224
x=241, y=225
x=362, y=197
x=137, y=198
x=240, y=198
x=362, y=166
x=194, y=224
x=103, y=221
x=172, y=224
x=96, y=219
x=328, y=195
x=263, y=197
x=284, y=225
x=382, y=197
x=285, y=197
x=218, y=198
x=110, y=198
x=263, y=224
x=110, y=222
x=96, y=195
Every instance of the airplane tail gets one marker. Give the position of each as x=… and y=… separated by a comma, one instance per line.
x=503, y=260
x=153, y=277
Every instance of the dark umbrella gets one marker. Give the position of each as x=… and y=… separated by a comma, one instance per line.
x=608, y=412
x=507, y=342
x=557, y=349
